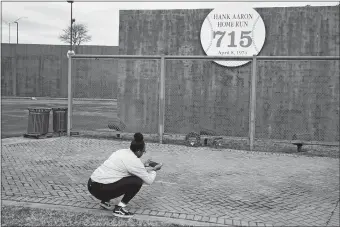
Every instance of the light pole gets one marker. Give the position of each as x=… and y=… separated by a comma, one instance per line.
x=16, y=21
x=9, y=30
x=17, y=31
x=72, y=20
x=69, y=79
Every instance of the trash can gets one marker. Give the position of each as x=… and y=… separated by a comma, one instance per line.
x=59, y=119
x=38, y=121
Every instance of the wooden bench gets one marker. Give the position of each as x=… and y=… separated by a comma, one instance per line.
x=301, y=139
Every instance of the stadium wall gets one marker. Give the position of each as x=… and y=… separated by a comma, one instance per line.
x=292, y=97
x=32, y=70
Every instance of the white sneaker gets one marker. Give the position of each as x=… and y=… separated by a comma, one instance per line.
x=121, y=212
x=106, y=205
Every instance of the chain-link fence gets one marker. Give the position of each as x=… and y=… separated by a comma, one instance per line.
x=94, y=89
x=114, y=96
x=207, y=99
x=139, y=95
x=293, y=99
x=298, y=100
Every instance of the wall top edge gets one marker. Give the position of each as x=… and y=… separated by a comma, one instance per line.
x=58, y=45
x=181, y=10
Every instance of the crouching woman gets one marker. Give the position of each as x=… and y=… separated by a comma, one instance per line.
x=123, y=173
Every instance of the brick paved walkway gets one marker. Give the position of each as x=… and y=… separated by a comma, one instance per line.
x=203, y=184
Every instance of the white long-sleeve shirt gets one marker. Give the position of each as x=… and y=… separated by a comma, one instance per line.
x=120, y=164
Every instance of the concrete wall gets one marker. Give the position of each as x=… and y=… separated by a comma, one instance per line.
x=292, y=97
x=41, y=70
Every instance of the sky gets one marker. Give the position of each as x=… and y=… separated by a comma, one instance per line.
x=43, y=22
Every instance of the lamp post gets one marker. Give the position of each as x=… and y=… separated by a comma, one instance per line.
x=69, y=79
x=72, y=20
x=9, y=30
x=16, y=21
x=17, y=31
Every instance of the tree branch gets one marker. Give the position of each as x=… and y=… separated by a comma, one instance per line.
x=79, y=34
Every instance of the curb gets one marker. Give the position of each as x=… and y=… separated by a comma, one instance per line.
x=140, y=214
x=21, y=139
x=140, y=217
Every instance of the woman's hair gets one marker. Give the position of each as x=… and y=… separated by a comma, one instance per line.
x=138, y=143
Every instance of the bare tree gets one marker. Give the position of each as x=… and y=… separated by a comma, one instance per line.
x=79, y=36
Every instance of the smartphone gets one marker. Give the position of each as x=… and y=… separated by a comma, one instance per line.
x=153, y=164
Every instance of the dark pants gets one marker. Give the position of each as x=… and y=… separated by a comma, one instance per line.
x=127, y=186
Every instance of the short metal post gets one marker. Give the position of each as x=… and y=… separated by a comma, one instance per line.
x=161, y=100
x=69, y=93
x=252, y=106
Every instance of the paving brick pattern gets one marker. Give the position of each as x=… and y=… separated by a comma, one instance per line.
x=202, y=184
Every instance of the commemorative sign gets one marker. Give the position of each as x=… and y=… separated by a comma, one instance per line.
x=233, y=31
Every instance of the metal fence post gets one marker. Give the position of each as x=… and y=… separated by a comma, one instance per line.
x=69, y=93
x=161, y=100
x=252, y=106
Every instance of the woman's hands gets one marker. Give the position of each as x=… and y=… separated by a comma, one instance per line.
x=147, y=162
x=158, y=167
x=150, y=168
